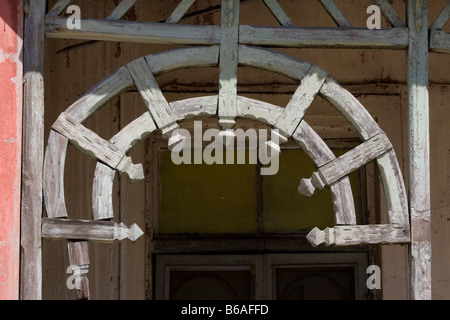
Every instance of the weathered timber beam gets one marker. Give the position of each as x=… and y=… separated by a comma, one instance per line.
x=358, y=235
x=394, y=188
x=58, y=8
x=102, y=187
x=273, y=61
x=296, y=37
x=54, y=163
x=228, y=63
x=180, y=11
x=350, y=108
x=439, y=41
x=79, y=263
x=335, y=13
x=190, y=57
x=91, y=144
x=419, y=151
x=154, y=99
x=116, y=83
x=166, y=33
x=442, y=19
x=131, y=31
x=32, y=152
x=125, y=139
x=195, y=107
x=389, y=13
x=122, y=8
x=321, y=154
x=278, y=13
x=345, y=164
x=296, y=109
x=103, y=231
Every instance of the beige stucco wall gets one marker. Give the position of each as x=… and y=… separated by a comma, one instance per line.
x=377, y=77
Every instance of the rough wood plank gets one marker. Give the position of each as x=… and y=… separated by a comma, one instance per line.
x=131, y=31
x=389, y=13
x=297, y=37
x=125, y=139
x=101, y=93
x=273, y=61
x=358, y=235
x=442, y=19
x=121, y=10
x=134, y=132
x=335, y=13
x=350, y=108
x=32, y=153
x=345, y=164
x=320, y=154
x=102, y=231
x=195, y=107
x=92, y=145
x=79, y=261
x=258, y=110
x=439, y=41
x=394, y=188
x=154, y=99
x=180, y=11
x=278, y=13
x=55, y=159
x=228, y=63
x=419, y=150
x=58, y=8
x=102, y=203
x=296, y=109
x=183, y=58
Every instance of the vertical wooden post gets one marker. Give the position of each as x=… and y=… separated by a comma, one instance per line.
x=33, y=150
x=419, y=152
x=229, y=56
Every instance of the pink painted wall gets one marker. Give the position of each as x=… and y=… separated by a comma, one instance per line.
x=11, y=25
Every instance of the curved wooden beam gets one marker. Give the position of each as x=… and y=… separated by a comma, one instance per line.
x=340, y=98
x=116, y=83
x=191, y=57
x=102, y=188
x=247, y=108
x=320, y=154
x=365, y=125
x=54, y=162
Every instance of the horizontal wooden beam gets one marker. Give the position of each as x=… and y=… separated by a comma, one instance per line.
x=439, y=41
x=131, y=31
x=393, y=38
x=103, y=231
x=357, y=235
x=183, y=34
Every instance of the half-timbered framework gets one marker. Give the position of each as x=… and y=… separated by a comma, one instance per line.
x=227, y=47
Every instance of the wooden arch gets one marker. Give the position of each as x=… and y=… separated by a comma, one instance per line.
x=112, y=155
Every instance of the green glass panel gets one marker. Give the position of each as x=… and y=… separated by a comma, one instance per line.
x=284, y=210
x=207, y=199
